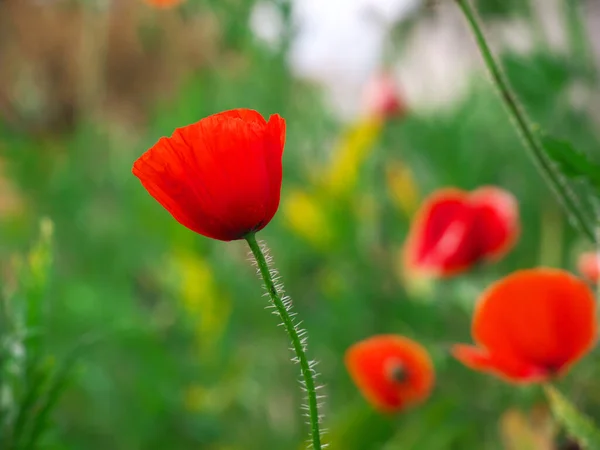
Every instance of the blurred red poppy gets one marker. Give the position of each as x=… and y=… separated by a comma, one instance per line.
x=382, y=98
x=455, y=229
x=531, y=326
x=392, y=372
x=220, y=177
x=164, y=3
x=589, y=266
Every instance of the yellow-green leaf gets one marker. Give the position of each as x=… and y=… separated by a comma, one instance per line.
x=576, y=423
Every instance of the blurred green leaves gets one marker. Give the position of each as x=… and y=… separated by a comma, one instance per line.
x=169, y=377
x=31, y=380
x=577, y=424
x=572, y=163
x=503, y=8
x=532, y=144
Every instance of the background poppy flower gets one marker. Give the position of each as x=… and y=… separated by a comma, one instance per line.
x=221, y=176
x=531, y=326
x=455, y=229
x=164, y=3
x=588, y=265
x=392, y=372
x=381, y=97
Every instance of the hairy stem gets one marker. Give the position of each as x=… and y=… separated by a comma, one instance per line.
x=517, y=113
x=297, y=342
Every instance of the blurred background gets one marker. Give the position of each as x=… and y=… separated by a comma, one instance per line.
x=385, y=101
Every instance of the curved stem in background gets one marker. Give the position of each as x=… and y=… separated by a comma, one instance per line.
x=517, y=113
x=298, y=344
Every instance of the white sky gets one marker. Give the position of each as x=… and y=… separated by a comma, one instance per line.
x=339, y=45
x=340, y=42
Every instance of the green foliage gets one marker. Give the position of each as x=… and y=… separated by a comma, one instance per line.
x=31, y=381
x=503, y=8
x=189, y=359
x=573, y=163
x=577, y=424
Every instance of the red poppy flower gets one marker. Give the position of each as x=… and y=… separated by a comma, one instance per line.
x=221, y=176
x=382, y=98
x=531, y=325
x=455, y=229
x=164, y=3
x=392, y=372
x=589, y=266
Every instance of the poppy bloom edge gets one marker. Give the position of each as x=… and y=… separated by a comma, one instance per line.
x=455, y=229
x=498, y=213
x=391, y=371
x=163, y=4
x=588, y=265
x=221, y=176
x=531, y=326
x=436, y=261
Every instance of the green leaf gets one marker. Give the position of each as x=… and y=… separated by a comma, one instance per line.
x=35, y=281
x=576, y=424
x=503, y=8
x=572, y=162
x=36, y=379
x=56, y=387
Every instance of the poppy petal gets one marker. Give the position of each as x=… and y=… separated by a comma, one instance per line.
x=275, y=143
x=439, y=241
x=230, y=155
x=164, y=3
x=372, y=362
x=497, y=220
x=589, y=266
x=162, y=171
x=246, y=115
x=513, y=370
x=541, y=317
x=220, y=176
x=455, y=229
x=381, y=97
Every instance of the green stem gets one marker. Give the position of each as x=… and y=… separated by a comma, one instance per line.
x=532, y=142
x=288, y=323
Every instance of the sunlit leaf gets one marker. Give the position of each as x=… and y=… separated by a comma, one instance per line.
x=577, y=424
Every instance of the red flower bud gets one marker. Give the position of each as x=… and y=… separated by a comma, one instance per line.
x=382, y=97
x=220, y=177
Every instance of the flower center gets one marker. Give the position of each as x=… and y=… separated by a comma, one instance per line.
x=396, y=371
